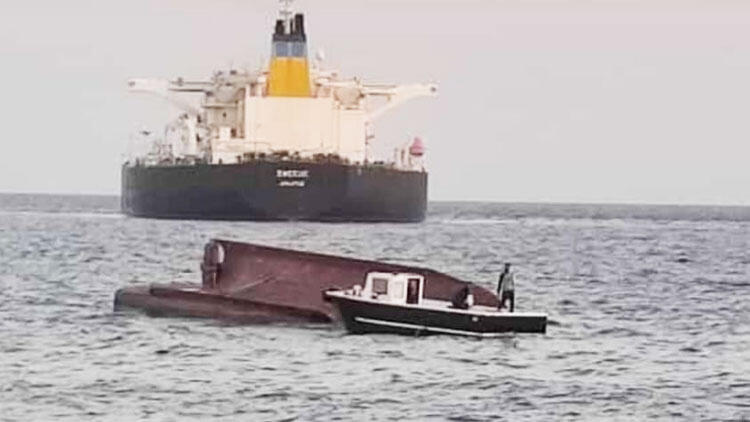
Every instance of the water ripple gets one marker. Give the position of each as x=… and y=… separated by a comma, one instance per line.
x=648, y=319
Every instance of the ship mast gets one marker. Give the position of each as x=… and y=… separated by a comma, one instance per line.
x=285, y=9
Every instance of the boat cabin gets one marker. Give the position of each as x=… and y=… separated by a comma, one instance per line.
x=402, y=288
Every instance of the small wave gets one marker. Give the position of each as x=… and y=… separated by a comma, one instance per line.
x=733, y=283
x=386, y=400
x=595, y=281
x=743, y=404
x=621, y=332
x=461, y=418
x=578, y=371
x=65, y=214
x=477, y=221
x=400, y=260
x=505, y=363
x=571, y=354
x=273, y=395
x=391, y=353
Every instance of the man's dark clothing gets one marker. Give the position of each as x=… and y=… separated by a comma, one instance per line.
x=508, y=295
x=459, y=299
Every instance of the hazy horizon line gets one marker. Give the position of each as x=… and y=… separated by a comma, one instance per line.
x=463, y=201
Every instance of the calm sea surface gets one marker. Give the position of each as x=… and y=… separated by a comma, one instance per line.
x=650, y=310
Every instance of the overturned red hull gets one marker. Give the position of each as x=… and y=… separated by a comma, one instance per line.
x=261, y=284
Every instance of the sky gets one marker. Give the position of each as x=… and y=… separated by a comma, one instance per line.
x=539, y=100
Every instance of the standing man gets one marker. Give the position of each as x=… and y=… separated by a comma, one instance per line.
x=213, y=257
x=506, y=287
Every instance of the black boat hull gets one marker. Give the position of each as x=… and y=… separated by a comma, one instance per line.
x=362, y=317
x=269, y=190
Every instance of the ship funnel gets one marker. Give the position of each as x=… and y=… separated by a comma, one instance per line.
x=279, y=30
x=289, y=73
x=299, y=24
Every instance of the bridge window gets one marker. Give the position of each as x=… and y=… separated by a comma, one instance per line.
x=380, y=286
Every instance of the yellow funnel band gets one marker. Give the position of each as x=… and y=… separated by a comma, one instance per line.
x=289, y=77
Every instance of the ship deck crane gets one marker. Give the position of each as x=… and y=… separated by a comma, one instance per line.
x=163, y=88
x=396, y=95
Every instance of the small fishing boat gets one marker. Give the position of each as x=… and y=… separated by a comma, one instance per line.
x=394, y=303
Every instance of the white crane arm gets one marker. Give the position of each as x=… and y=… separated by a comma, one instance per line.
x=397, y=95
x=161, y=88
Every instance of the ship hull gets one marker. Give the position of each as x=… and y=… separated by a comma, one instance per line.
x=266, y=190
x=362, y=316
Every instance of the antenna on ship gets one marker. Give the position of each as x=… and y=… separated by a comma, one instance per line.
x=285, y=9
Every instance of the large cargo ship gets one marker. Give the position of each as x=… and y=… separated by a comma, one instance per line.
x=290, y=141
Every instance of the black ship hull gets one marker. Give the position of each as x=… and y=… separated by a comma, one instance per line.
x=268, y=190
x=363, y=317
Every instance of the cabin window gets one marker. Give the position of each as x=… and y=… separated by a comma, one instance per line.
x=380, y=286
x=412, y=291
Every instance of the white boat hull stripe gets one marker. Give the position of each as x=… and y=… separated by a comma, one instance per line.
x=426, y=328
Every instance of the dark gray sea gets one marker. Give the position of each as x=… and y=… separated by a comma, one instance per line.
x=649, y=308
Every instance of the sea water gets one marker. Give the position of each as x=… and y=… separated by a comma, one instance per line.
x=649, y=311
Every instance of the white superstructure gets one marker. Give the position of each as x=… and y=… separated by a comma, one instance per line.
x=238, y=120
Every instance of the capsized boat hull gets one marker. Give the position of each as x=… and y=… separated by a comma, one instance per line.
x=180, y=300
x=361, y=316
x=259, y=284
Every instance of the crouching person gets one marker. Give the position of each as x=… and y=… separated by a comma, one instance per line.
x=463, y=299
